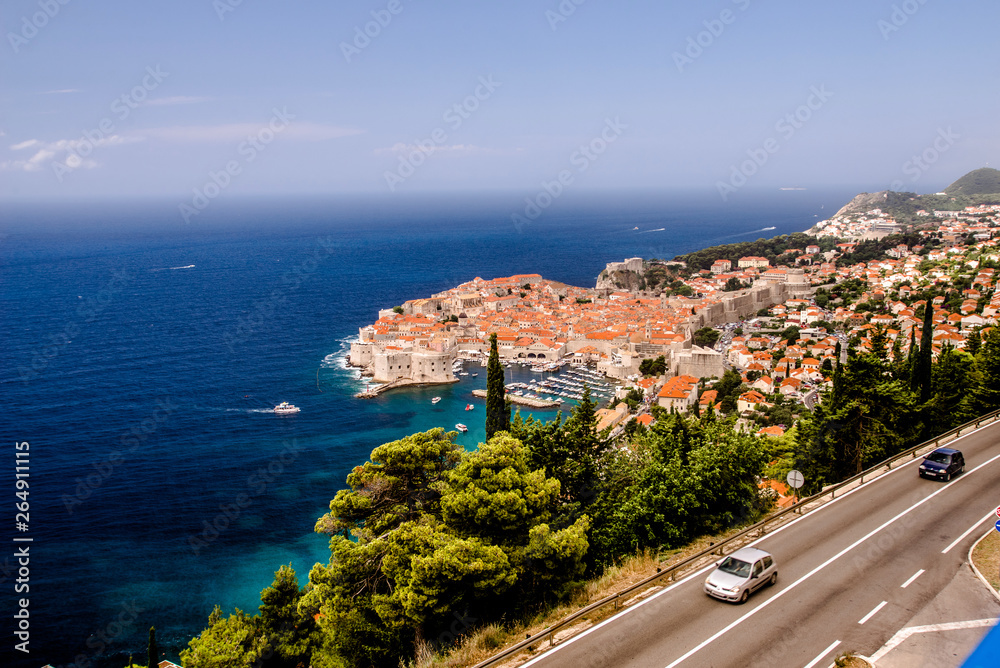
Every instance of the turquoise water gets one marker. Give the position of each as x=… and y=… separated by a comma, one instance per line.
x=141, y=359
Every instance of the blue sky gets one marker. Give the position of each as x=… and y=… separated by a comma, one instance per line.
x=116, y=99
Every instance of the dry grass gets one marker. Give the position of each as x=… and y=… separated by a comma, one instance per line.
x=850, y=661
x=986, y=557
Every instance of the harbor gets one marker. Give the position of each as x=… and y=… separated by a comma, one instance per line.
x=521, y=401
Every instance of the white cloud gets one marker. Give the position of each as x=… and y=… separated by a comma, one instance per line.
x=236, y=132
x=72, y=153
x=177, y=99
x=400, y=148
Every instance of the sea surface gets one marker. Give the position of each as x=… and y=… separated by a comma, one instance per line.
x=141, y=357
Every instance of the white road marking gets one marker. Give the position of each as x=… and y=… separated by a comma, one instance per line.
x=826, y=563
x=967, y=532
x=903, y=634
x=711, y=566
x=822, y=654
x=910, y=581
x=872, y=613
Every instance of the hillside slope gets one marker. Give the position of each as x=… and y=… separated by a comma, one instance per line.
x=985, y=181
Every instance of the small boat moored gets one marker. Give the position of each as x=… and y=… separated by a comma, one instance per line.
x=469, y=407
x=461, y=427
x=435, y=400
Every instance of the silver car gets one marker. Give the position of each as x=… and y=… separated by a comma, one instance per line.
x=740, y=574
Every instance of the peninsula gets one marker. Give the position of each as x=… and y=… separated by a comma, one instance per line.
x=542, y=321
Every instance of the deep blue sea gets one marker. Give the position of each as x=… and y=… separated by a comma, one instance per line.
x=141, y=356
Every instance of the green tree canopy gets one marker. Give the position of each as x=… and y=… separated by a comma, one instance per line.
x=706, y=336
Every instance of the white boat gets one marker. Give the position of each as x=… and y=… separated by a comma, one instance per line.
x=284, y=408
x=435, y=400
x=461, y=427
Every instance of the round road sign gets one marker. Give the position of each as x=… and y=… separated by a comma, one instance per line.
x=998, y=512
x=998, y=525
x=796, y=479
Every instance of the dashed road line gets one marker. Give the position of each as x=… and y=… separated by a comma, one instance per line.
x=819, y=568
x=872, y=613
x=914, y=577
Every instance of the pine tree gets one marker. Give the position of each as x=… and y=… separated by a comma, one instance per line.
x=153, y=653
x=497, y=409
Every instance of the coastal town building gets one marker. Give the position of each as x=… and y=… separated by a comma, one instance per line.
x=620, y=323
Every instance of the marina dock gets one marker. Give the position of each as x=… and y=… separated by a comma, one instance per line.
x=522, y=401
x=401, y=382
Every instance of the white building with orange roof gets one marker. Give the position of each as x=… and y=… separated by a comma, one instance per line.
x=678, y=393
x=754, y=262
x=750, y=401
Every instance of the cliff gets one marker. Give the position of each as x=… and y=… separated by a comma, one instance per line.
x=627, y=275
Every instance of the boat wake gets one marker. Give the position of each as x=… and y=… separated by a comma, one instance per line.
x=662, y=229
x=743, y=234
x=188, y=266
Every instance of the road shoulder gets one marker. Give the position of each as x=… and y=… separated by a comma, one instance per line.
x=946, y=630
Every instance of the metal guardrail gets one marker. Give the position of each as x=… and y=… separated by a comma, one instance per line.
x=616, y=598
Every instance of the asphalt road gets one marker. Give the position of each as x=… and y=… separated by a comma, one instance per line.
x=851, y=574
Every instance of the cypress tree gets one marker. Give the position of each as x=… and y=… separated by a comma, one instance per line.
x=974, y=342
x=922, y=371
x=497, y=408
x=153, y=660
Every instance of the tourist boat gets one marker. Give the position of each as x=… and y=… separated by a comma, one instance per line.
x=461, y=427
x=469, y=407
x=284, y=408
x=474, y=375
x=435, y=400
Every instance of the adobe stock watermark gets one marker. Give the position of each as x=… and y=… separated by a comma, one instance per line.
x=248, y=150
x=563, y=11
x=580, y=160
x=265, y=308
x=79, y=150
x=31, y=25
x=899, y=17
x=130, y=441
x=103, y=638
x=697, y=44
x=223, y=7
x=256, y=485
x=454, y=116
x=363, y=35
x=87, y=312
x=786, y=127
x=447, y=639
x=919, y=163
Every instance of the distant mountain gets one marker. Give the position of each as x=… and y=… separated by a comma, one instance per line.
x=985, y=181
x=980, y=186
